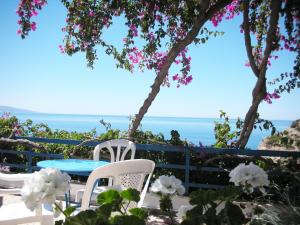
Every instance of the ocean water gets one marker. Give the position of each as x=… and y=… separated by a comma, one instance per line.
x=194, y=130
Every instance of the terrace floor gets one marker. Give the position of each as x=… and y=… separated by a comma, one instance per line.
x=151, y=202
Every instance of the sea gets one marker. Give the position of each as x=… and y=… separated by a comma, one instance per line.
x=194, y=130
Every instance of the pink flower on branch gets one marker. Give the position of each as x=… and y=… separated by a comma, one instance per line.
x=133, y=30
x=91, y=13
x=229, y=13
x=26, y=10
x=61, y=48
x=269, y=96
x=33, y=26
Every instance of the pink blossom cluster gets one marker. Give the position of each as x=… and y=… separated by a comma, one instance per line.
x=151, y=36
x=106, y=22
x=185, y=78
x=289, y=44
x=26, y=10
x=135, y=56
x=180, y=33
x=61, y=48
x=157, y=61
x=269, y=96
x=229, y=12
x=133, y=30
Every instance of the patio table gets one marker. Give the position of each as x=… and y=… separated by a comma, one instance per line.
x=81, y=167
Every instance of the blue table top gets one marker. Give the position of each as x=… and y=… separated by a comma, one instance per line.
x=72, y=165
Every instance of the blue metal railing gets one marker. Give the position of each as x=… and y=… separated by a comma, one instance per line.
x=187, y=167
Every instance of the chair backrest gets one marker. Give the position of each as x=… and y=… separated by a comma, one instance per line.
x=11, y=183
x=127, y=174
x=115, y=143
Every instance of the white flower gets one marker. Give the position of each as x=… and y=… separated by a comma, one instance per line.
x=167, y=185
x=44, y=186
x=183, y=210
x=250, y=176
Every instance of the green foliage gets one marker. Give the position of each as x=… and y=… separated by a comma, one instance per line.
x=131, y=194
x=140, y=213
x=113, y=210
x=127, y=220
x=226, y=137
x=215, y=207
x=146, y=137
x=165, y=203
x=175, y=138
x=111, y=197
x=68, y=211
x=88, y=217
x=232, y=214
x=7, y=123
x=223, y=134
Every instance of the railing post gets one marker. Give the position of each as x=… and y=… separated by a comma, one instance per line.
x=29, y=157
x=187, y=168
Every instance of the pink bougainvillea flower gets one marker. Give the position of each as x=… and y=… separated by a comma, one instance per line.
x=62, y=50
x=275, y=95
x=175, y=77
x=91, y=13
x=33, y=26
x=189, y=79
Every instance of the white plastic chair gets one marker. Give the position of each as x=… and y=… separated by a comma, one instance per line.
x=115, y=143
x=122, y=146
x=12, y=183
x=18, y=213
x=124, y=174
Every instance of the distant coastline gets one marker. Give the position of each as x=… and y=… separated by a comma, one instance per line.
x=15, y=110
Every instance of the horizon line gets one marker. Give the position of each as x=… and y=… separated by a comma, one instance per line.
x=28, y=111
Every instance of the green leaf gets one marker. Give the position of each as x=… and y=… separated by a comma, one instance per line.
x=104, y=210
x=138, y=212
x=127, y=220
x=211, y=217
x=233, y=214
x=88, y=217
x=203, y=197
x=59, y=222
x=68, y=211
x=109, y=197
x=194, y=216
x=229, y=192
x=131, y=194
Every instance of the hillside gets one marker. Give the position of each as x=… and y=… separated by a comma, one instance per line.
x=14, y=110
x=289, y=139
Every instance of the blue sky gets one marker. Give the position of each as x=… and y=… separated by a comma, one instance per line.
x=36, y=76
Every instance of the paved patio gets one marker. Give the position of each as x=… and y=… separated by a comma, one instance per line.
x=151, y=201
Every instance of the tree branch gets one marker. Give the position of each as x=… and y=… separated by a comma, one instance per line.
x=247, y=38
x=23, y=142
x=275, y=8
x=216, y=7
x=171, y=56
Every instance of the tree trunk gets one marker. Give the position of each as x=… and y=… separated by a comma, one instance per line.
x=257, y=96
x=260, y=71
x=171, y=56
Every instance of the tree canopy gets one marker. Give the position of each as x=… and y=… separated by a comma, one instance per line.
x=160, y=31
